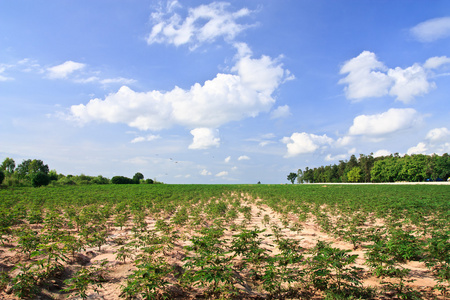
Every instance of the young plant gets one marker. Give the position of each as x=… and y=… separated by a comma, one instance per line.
x=92, y=276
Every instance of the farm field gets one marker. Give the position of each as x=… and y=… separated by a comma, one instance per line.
x=225, y=242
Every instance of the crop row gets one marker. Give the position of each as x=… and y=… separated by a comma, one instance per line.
x=219, y=251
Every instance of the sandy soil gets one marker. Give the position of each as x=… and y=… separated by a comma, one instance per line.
x=118, y=271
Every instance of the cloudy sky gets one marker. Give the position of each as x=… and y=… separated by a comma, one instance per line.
x=221, y=92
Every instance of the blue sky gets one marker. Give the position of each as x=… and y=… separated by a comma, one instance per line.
x=221, y=92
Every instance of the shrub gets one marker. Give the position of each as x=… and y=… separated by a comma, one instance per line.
x=40, y=179
x=122, y=180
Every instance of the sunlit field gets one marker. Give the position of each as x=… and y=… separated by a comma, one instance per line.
x=225, y=242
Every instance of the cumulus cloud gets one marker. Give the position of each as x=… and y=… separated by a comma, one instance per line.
x=205, y=172
x=301, y=143
x=344, y=141
x=436, y=62
x=204, y=138
x=64, y=69
x=227, y=97
x=202, y=24
x=227, y=160
x=244, y=157
x=438, y=134
x=280, y=112
x=409, y=82
x=387, y=122
x=147, y=138
x=421, y=148
x=367, y=77
x=432, y=30
x=381, y=152
x=222, y=174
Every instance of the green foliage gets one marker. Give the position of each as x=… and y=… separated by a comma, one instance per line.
x=138, y=177
x=354, y=175
x=92, y=276
x=122, y=180
x=40, y=179
x=8, y=165
x=2, y=176
x=148, y=280
x=291, y=177
x=412, y=168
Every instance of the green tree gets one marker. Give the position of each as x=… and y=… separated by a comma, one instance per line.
x=299, y=176
x=137, y=177
x=354, y=175
x=29, y=167
x=2, y=176
x=40, y=179
x=291, y=177
x=8, y=165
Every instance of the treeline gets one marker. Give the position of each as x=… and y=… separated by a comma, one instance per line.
x=392, y=168
x=36, y=173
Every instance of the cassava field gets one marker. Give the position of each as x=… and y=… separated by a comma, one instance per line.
x=225, y=242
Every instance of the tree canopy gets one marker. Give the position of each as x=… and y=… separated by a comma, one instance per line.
x=392, y=168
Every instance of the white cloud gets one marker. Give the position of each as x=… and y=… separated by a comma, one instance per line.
x=225, y=98
x=222, y=174
x=204, y=138
x=367, y=77
x=438, y=134
x=227, y=160
x=64, y=69
x=301, y=143
x=147, y=138
x=344, y=141
x=4, y=78
x=119, y=80
x=364, y=78
x=205, y=172
x=336, y=157
x=280, y=112
x=204, y=23
x=243, y=157
x=409, y=82
x=432, y=30
x=387, y=122
x=381, y=152
x=421, y=148
x=436, y=62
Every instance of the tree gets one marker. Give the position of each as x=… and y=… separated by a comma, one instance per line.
x=29, y=167
x=122, y=180
x=137, y=177
x=299, y=176
x=2, y=176
x=40, y=179
x=291, y=177
x=8, y=165
x=354, y=175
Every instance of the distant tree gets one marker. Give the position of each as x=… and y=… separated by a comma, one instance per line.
x=40, y=179
x=29, y=167
x=122, y=180
x=259, y=182
x=2, y=176
x=299, y=176
x=354, y=175
x=149, y=181
x=8, y=165
x=53, y=175
x=137, y=177
x=291, y=177
x=100, y=180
